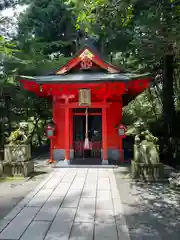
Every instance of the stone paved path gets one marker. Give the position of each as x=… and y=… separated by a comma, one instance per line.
x=72, y=203
x=11, y=192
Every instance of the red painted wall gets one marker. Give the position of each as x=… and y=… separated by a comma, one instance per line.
x=59, y=117
x=114, y=116
x=71, y=127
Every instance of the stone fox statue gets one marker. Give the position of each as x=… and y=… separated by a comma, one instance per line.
x=140, y=133
x=19, y=136
x=146, y=149
x=145, y=136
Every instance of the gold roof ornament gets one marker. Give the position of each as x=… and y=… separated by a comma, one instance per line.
x=86, y=53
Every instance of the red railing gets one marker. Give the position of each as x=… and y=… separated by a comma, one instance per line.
x=95, y=147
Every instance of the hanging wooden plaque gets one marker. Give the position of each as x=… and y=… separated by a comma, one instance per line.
x=84, y=97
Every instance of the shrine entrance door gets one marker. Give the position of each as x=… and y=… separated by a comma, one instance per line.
x=94, y=123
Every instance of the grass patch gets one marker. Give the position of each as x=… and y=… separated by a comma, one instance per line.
x=7, y=179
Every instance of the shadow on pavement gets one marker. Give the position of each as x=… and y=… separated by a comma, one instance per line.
x=152, y=210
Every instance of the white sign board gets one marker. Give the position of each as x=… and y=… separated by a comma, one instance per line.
x=121, y=131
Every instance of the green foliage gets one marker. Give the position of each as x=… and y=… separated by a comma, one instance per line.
x=144, y=29
x=48, y=26
x=45, y=34
x=7, y=3
x=143, y=107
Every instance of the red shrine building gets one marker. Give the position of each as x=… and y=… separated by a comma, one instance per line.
x=88, y=95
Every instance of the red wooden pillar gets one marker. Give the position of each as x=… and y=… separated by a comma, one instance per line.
x=67, y=135
x=104, y=135
x=121, y=138
x=52, y=140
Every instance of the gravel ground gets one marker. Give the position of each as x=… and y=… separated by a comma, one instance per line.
x=152, y=211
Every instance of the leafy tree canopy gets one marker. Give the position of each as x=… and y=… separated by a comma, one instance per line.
x=49, y=26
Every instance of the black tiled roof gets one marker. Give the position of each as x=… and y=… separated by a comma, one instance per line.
x=85, y=77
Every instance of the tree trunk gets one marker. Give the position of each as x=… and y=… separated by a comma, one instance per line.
x=158, y=92
x=34, y=129
x=2, y=120
x=39, y=136
x=8, y=107
x=152, y=103
x=168, y=95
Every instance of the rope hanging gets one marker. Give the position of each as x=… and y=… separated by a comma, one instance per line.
x=86, y=141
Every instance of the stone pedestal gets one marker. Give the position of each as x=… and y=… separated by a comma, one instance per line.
x=23, y=169
x=146, y=165
x=17, y=161
x=147, y=172
x=17, y=153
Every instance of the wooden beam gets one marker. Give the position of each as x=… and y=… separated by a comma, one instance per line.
x=89, y=114
x=93, y=105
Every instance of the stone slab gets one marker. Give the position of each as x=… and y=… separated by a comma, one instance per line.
x=114, y=192
x=104, y=204
x=104, y=194
x=105, y=231
x=65, y=215
x=89, y=193
x=103, y=184
x=83, y=216
x=123, y=231
x=104, y=216
x=103, y=173
x=93, y=171
x=42, y=184
x=59, y=231
x=87, y=204
x=72, y=199
x=40, y=198
x=17, y=226
x=3, y=224
x=86, y=210
x=82, y=231
x=26, y=200
x=52, y=183
x=50, y=208
x=78, y=183
x=69, y=177
x=82, y=173
x=92, y=177
x=36, y=231
x=31, y=194
x=46, y=214
x=90, y=185
x=63, y=187
x=118, y=208
x=14, y=212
